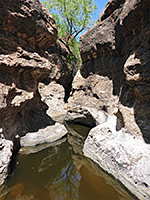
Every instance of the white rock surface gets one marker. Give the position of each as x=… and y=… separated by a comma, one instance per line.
x=125, y=156
x=53, y=95
x=46, y=135
x=99, y=116
x=6, y=147
x=34, y=149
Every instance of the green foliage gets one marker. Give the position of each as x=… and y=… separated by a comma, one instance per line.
x=74, y=46
x=72, y=17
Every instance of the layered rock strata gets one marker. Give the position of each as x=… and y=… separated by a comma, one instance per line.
x=112, y=91
x=31, y=58
x=29, y=54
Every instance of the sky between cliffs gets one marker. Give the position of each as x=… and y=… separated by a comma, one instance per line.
x=101, y=6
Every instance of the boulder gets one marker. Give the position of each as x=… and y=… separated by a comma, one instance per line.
x=46, y=135
x=121, y=154
x=87, y=104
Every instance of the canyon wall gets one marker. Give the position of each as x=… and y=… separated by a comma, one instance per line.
x=32, y=60
x=112, y=92
x=29, y=54
x=115, y=72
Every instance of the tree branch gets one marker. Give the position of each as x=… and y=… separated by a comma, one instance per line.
x=77, y=33
x=66, y=45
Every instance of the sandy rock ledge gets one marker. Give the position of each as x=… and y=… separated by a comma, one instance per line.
x=46, y=135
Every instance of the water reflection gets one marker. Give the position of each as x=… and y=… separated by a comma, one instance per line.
x=61, y=172
x=66, y=185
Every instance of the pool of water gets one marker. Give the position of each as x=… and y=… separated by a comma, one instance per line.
x=60, y=172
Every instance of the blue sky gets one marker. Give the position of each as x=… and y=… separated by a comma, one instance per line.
x=101, y=6
x=101, y=3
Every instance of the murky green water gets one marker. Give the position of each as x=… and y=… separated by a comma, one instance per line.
x=60, y=172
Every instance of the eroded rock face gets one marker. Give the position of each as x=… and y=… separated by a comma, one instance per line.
x=91, y=97
x=123, y=155
x=30, y=55
x=28, y=24
x=6, y=148
x=115, y=71
x=118, y=48
x=53, y=95
x=114, y=80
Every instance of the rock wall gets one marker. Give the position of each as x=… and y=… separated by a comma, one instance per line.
x=115, y=70
x=6, y=149
x=31, y=59
x=112, y=91
x=29, y=54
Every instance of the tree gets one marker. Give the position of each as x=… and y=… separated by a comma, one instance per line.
x=72, y=17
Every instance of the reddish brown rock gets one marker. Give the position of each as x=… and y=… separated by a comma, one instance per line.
x=114, y=87
x=115, y=70
x=29, y=54
x=27, y=24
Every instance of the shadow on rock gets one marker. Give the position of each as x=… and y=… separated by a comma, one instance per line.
x=118, y=48
x=30, y=116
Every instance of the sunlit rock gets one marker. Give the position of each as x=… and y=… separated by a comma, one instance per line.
x=46, y=135
x=121, y=154
x=114, y=85
x=6, y=148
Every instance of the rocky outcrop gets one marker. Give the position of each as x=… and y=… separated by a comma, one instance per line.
x=89, y=100
x=114, y=81
x=53, y=95
x=31, y=58
x=6, y=148
x=118, y=49
x=29, y=54
x=111, y=91
x=121, y=154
